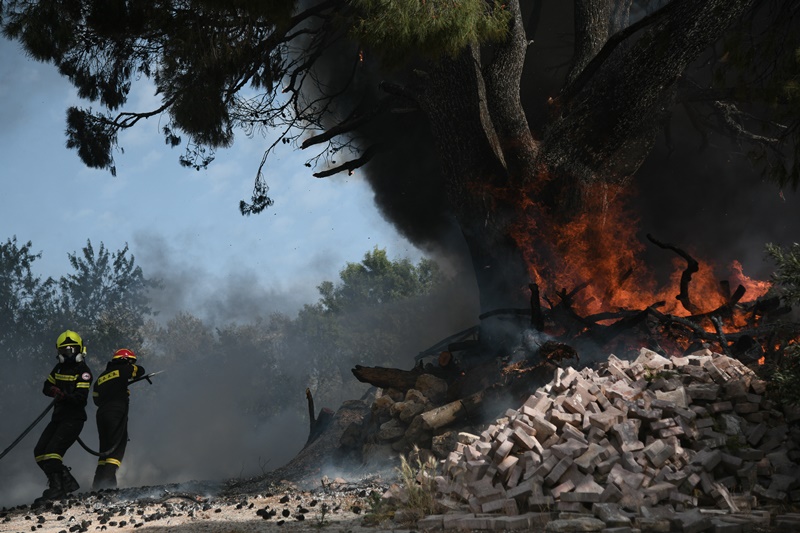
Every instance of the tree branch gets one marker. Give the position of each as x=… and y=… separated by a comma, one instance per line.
x=351, y=165
x=691, y=267
x=347, y=126
x=591, y=22
x=573, y=87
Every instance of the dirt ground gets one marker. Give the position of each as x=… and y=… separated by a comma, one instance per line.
x=337, y=506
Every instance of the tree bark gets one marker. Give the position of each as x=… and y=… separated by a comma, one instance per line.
x=609, y=115
x=477, y=182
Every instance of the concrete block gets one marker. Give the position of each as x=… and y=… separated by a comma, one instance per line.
x=544, y=429
x=627, y=435
x=588, y=460
x=557, y=471
x=559, y=490
x=611, y=515
x=570, y=448
x=587, y=524
x=658, y=452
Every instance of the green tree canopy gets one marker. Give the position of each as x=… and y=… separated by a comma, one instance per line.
x=379, y=312
x=106, y=298
x=376, y=280
x=27, y=303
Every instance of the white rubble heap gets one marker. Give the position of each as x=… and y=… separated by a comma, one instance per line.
x=681, y=444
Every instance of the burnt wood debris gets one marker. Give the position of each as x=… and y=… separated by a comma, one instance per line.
x=759, y=334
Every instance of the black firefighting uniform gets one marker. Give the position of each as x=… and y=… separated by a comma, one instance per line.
x=111, y=396
x=69, y=414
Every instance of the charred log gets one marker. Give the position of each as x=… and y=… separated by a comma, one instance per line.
x=726, y=309
x=476, y=407
x=388, y=378
x=723, y=342
x=748, y=350
x=537, y=318
x=558, y=351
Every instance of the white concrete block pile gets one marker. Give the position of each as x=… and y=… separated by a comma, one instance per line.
x=676, y=433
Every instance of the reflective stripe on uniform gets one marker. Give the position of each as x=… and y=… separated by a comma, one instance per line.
x=51, y=379
x=48, y=456
x=111, y=375
x=109, y=461
x=82, y=385
x=66, y=377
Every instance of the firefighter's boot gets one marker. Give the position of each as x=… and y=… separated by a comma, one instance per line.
x=68, y=482
x=54, y=490
x=105, y=477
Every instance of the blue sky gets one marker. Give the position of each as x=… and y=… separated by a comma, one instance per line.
x=180, y=224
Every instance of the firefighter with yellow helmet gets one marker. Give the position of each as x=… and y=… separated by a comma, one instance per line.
x=111, y=396
x=68, y=384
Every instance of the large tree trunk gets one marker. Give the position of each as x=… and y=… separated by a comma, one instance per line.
x=610, y=112
x=604, y=125
x=476, y=178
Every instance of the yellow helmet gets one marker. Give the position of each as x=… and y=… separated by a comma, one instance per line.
x=70, y=347
x=69, y=338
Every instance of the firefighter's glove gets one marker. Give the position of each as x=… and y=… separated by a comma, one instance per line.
x=57, y=393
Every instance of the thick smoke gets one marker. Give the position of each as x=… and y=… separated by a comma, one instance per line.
x=190, y=424
x=216, y=412
x=236, y=296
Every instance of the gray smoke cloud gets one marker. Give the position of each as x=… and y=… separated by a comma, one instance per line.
x=234, y=296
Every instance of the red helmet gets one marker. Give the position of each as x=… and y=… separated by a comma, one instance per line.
x=124, y=353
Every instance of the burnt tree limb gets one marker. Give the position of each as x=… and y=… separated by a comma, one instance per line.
x=317, y=424
x=726, y=309
x=692, y=266
x=723, y=341
x=537, y=318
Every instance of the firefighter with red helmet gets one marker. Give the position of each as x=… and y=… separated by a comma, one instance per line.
x=68, y=384
x=111, y=396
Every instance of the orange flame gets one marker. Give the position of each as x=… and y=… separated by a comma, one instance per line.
x=755, y=288
x=599, y=247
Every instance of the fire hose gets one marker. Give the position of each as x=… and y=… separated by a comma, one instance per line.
x=50, y=406
x=122, y=423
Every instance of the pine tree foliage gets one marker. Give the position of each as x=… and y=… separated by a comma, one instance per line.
x=787, y=271
x=430, y=28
